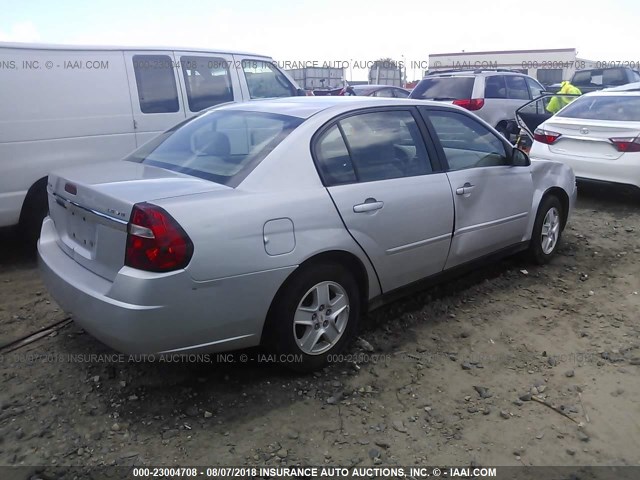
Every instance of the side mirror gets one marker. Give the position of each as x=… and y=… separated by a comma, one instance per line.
x=519, y=158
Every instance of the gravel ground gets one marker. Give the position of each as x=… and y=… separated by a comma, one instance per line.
x=513, y=364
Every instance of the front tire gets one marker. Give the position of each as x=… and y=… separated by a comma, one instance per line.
x=315, y=316
x=547, y=230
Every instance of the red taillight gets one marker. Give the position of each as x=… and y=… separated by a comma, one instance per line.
x=470, y=103
x=626, y=144
x=545, y=136
x=155, y=241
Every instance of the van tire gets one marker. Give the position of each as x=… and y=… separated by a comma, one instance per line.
x=34, y=210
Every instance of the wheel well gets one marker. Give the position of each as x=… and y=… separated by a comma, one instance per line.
x=346, y=259
x=561, y=195
x=37, y=188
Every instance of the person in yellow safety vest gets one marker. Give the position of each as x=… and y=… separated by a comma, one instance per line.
x=557, y=103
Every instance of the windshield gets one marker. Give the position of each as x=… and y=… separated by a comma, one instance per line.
x=443, y=88
x=621, y=108
x=223, y=146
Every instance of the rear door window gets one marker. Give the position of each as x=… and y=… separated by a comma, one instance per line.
x=207, y=81
x=156, y=82
x=370, y=147
x=399, y=93
x=444, y=88
x=264, y=80
x=333, y=158
x=516, y=87
x=495, y=87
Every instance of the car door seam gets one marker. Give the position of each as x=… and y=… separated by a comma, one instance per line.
x=373, y=267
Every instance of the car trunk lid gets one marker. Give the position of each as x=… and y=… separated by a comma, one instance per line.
x=91, y=207
x=589, y=138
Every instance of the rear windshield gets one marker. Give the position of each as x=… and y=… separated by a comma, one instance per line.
x=223, y=146
x=443, y=88
x=598, y=78
x=622, y=108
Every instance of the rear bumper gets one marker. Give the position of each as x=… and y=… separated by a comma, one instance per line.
x=145, y=313
x=624, y=170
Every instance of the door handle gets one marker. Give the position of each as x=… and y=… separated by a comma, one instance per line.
x=465, y=189
x=369, y=205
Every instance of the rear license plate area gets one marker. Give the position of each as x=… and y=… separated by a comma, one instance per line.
x=81, y=229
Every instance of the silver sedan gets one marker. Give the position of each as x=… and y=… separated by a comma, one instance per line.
x=282, y=222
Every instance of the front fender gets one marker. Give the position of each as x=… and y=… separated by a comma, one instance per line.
x=547, y=175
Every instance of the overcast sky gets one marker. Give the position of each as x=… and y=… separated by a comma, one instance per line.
x=333, y=30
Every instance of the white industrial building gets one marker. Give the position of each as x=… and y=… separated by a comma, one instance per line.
x=548, y=66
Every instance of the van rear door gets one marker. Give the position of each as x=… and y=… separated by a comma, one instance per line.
x=155, y=92
x=206, y=80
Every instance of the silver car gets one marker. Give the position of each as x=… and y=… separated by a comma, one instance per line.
x=493, y=95
x=281, y=222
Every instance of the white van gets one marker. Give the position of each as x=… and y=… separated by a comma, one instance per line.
x=67, y=105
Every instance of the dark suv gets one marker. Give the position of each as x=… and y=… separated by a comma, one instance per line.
x=598, y=78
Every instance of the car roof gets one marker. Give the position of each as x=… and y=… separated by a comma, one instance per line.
x=473, y=73
x=367, y=87
x=629, y=87
x=611, y=92
x=305, y=107
x=53, y=46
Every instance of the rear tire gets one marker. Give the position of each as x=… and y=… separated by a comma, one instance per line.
x=314, y=317
x=34, y=210
x=547, y=230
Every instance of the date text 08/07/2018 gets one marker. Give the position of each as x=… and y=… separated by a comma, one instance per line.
x=315, y=472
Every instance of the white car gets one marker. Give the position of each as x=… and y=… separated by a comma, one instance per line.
x=597, y=135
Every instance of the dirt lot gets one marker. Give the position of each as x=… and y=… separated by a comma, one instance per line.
x=449, y=381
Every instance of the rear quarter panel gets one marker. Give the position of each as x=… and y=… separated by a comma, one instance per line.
x=227, y=227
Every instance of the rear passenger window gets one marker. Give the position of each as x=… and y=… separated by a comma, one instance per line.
x=466, y=142
x=264, y=80
x=494, y=87
x=516, y=87
x=156, y=82
x=207, y=81
x=333, y=158
x=385, y=145
x=372, y=146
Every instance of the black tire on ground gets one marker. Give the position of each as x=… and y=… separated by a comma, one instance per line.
x=34, y=210
x=536, y=250
x=280, y=335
